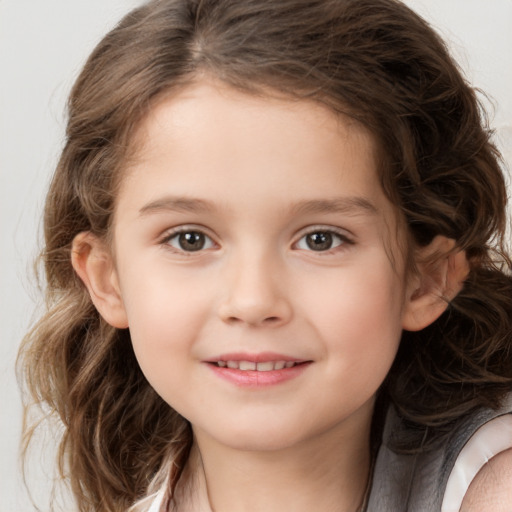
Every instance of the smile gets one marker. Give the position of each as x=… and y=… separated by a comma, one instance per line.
x=266, y=366
x=257, y=371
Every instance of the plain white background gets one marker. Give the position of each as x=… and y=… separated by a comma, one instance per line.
x=42, y=47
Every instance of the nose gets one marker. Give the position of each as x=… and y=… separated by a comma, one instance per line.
x=255, y=293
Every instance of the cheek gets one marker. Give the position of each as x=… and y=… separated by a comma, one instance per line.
x=369, y=296
x=359, y=316
x=164, y=316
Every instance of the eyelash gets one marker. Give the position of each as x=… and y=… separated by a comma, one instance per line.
x=329, y=234
x=187, y=230
x=332, y=234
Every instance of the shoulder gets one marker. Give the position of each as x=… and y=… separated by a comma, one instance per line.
x=481, y=476
x=491, y=489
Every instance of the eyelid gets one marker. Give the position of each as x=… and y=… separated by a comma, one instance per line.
x=346, y=236
x=170, y=233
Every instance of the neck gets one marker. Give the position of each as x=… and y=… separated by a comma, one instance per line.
x=329, y=473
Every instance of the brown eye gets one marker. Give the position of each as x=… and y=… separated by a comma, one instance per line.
x=320, y=241
x=190, y=241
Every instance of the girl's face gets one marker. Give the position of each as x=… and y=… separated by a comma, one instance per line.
x=258, y=266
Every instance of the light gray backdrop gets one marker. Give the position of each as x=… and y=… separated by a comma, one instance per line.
x=42, y=46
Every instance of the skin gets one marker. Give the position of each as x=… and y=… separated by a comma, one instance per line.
x=491, y=489
x=258, y=178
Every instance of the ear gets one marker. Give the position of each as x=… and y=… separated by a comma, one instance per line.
x=441, y=271
x=93, y=262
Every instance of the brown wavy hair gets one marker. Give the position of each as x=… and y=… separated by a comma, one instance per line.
x=374, y=60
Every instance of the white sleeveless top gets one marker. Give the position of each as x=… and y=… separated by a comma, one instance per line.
x=436, y=479
x=157, y=503
x=492, y=438
x=493, y=435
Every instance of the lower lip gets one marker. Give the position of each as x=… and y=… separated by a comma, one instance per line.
x=256, y=379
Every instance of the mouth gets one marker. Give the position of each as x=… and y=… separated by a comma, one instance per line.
x=264, y=366
x=257, y=371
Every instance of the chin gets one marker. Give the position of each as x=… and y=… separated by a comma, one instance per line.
x=267, y=437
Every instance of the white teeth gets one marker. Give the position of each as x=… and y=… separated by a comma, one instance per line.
x=246, y=365
x=266, y=366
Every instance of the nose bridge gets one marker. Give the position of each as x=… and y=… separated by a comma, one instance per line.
x=255, y=291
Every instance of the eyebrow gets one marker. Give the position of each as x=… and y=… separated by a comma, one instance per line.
x=344, y=205
x=179, y=204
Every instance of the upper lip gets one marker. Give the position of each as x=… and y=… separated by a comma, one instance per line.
x=261, y=357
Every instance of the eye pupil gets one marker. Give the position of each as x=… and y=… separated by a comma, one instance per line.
x=191, y=241
x=319, y=241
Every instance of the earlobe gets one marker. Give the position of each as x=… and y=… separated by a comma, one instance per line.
x=93, y=263
x=441, y=271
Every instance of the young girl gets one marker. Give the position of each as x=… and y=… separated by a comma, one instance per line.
x=276, y=268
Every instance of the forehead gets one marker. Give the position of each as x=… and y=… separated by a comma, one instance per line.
x=225, y=146
x=208, y=117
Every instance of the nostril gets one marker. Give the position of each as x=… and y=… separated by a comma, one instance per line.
x=251, y=312
x=271, y=320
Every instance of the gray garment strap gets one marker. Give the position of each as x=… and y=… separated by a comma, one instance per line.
x=416, y=482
